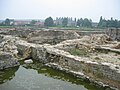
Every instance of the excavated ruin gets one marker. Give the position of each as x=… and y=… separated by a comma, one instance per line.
x=95, y=57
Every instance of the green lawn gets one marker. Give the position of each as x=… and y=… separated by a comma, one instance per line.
x=57, y=28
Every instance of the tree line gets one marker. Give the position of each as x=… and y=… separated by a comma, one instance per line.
x=84, y=22
x=50, y=22
x=65, y=21
x=80, y=22
x=103, y=23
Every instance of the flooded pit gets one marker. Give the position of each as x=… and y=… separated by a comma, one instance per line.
x=36, y=76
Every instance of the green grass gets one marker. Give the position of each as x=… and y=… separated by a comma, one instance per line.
x=58, y=27
x=79, y=52
x=6, y=26
x=77, y=28
x=29, y=27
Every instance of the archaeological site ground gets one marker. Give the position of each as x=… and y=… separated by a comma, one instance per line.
x=93, y=56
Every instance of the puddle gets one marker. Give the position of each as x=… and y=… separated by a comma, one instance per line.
x=38, y=77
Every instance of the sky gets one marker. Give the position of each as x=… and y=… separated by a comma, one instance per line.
x=41, y=9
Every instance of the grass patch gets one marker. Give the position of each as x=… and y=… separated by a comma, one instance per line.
x=79, y=52
x=6, y=26
x=76, y=28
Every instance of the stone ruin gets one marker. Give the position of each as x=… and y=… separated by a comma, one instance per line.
x=114, y=33
x=95, y=57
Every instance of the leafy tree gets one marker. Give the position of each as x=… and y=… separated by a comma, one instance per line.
x=118, y=24
x=100, y=22
x=65, y=22
x=87, y=23
x=2, y=24
x=78, y=22
x=84, y=23
x=104, y=23
x=112, y=22
x=49, y=22
x=75, y=20
x=108, y=23
x=81, y=22
x=7, y=22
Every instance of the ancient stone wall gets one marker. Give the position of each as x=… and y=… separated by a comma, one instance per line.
x=47, y=36
x=104, y=72
x=82, y=33
x=114, y=33
x=7, y=60
x=51, y=36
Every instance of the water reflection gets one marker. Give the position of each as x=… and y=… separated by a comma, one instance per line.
x=36, y=76
x=7, y=74
x=49, y=72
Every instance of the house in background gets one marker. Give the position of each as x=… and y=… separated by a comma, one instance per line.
x=21, y=22
x=39, y=24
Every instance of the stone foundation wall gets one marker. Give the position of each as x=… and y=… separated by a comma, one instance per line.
x=51, y=36
x=47, y=36
x=82, y=33
x=7, y=60
x=106, y=73
x=101, y=72
x=114, y=33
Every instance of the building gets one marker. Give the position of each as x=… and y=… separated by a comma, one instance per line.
x=21, y=22
x=39, y=23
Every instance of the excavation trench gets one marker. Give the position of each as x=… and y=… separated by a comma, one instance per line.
x=74, y=63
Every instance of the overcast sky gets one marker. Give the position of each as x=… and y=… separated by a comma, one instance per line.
x=40, y=9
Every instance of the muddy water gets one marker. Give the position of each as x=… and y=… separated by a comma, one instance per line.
x=38, y=77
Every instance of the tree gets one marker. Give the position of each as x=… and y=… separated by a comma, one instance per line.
x=7, y=22
x=75, y=20
x=100, y=22
x=118, y=24
x=81, y=22
x=84, y=23
x=65, y=22
x=78, y=22
x=108, y=23
x=104, y=23
x=87, y=23
x=49, y=22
